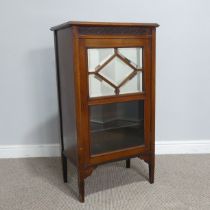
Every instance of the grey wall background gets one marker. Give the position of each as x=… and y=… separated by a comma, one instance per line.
x=28, y=106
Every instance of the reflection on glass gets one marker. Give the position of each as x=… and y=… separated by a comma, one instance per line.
x=133, y=55
x=116, y=71
x=119, y=70
x=133, y=85
x=116, y=126
x=98, y=87
x=98, y=56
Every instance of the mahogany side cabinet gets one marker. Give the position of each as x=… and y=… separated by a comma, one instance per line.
x=106, y=94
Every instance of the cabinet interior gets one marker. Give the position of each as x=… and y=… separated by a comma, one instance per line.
x=116, y=126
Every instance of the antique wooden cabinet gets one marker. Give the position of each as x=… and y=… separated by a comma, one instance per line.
x=106, y=92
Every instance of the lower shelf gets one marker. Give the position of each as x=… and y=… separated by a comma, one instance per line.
x=116, y=137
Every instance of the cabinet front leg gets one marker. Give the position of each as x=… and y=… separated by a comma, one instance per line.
x=151, y=170
x=64, y=167
x=128, y=163
x=81, y=183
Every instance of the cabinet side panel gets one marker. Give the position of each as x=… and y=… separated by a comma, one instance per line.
x=153, y=79
x=67, y=94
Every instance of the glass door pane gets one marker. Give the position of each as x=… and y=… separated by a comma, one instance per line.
x=114, y=71
x=116, y=126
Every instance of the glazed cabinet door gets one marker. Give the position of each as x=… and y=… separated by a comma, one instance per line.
x=116, y=83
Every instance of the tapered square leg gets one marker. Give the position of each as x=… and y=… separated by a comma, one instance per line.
x=81, y=185
x=151, y=170
x=64, y=167
x=128, y=163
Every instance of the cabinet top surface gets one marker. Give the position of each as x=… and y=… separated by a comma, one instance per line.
x=104, y=24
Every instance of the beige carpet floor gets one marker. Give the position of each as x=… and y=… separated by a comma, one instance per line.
x=181, y=182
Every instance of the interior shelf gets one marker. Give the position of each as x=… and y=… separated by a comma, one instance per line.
x=113, y=124
x=116, y=135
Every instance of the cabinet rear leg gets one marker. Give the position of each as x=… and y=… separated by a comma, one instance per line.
x=151, y=170
x=64, y=167
x=128, y=163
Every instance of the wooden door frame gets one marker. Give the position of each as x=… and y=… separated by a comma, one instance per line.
x=119, y=41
